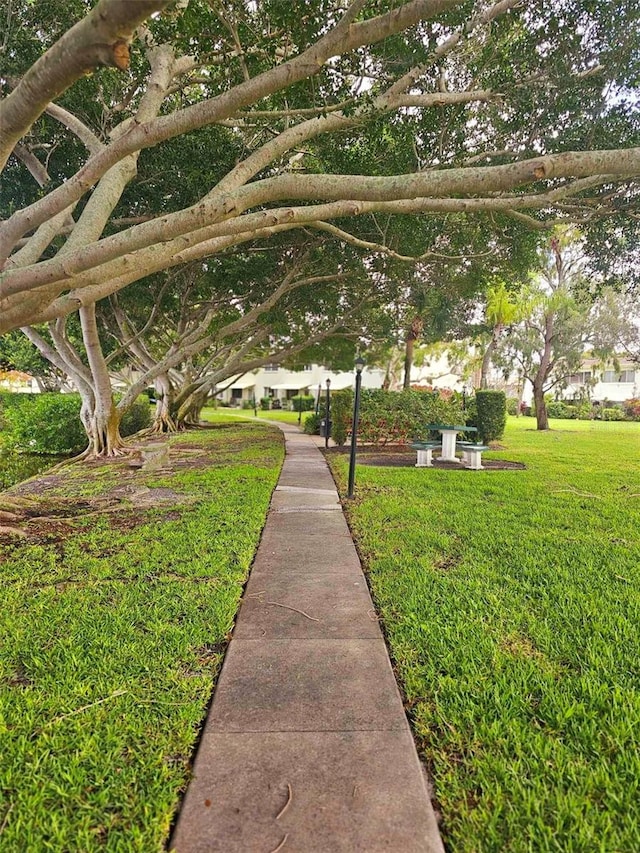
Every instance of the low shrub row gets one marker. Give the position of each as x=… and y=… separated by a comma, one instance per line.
x=303, y=403
x=587, y=411
x=399, y=417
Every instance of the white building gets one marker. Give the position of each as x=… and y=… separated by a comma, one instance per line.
x=608, y=384
x=281, y=384
x=18, y=382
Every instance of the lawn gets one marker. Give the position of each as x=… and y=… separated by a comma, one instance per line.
x=116, y=610
x=511, y=604
x=277, y=415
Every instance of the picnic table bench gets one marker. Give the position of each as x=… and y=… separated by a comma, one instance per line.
x=449, y=433
x=471, y=452
x=425, y=452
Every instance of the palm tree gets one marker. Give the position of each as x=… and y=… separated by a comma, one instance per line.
x=500, y=312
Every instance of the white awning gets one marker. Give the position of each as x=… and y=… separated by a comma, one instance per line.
x=288, y=386
x=341, y=383
x=247, y=381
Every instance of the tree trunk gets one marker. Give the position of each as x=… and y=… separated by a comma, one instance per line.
x=104, y=430
x=163, y=420
x=189, y=412
x=415, y=330
x=544, y=369
x=408, y=363
x=104, y=420
x=488, y=354
x=542, y=421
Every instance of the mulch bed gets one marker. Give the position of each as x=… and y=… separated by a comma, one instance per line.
x=400, y=457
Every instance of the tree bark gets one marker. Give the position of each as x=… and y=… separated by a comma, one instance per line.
x=101, y=38
x=542, y=420
x=415, y=330
x=189, y=413
x=542, y=374
x=408, y=362
x=163, y=420
x=104, y=421
x=488, y=355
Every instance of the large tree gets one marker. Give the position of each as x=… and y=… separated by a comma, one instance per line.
x=257, y=120
x=557, y=321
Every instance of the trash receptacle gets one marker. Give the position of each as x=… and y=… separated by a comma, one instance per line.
x=323, y=428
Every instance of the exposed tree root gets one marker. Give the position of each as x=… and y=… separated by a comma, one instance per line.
x=12, y=531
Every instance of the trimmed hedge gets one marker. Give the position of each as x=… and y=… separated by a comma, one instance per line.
x=631, y=409
x=341, y=415
x=312, y=424
x=612, y=414
x=303, y=403
x=393, y=417
x=513, y=405
x=492, y=414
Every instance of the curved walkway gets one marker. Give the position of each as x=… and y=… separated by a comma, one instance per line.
x=306, y=746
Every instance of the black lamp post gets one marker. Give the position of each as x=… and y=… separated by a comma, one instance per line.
x=354, y=426
x=464, y=398
x=327, y=416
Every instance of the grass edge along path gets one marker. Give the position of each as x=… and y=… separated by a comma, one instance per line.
x=112, y=630
x=511, y=604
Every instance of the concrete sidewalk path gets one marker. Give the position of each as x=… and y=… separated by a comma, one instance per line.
x=306, y=747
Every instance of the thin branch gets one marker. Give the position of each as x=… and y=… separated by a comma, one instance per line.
x=295, y=610
x=85, y=707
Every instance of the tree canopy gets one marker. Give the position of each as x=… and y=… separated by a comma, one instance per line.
x=254, y=119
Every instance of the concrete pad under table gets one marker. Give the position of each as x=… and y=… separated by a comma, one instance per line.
x=327, y=792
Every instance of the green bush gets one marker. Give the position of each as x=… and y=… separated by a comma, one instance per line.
x=612, y=414
x=312, y=424
x=401, y=416
x=471, y=413
x=46, y=424
x=492, y=414
x=341, y=415
x=513, y=405
x=631, y=408
x=303, y=403
x=265, y=403
x=10, y=400
x=558, y=409
x=137, y=417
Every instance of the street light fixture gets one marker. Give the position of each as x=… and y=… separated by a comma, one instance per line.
x=354, y=425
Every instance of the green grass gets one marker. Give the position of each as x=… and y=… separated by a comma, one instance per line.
x=112, y=630
x=511, y=604
x=285, y=417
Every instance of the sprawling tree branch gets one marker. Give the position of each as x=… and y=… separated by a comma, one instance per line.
x=345, y=36
x=101, y=38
